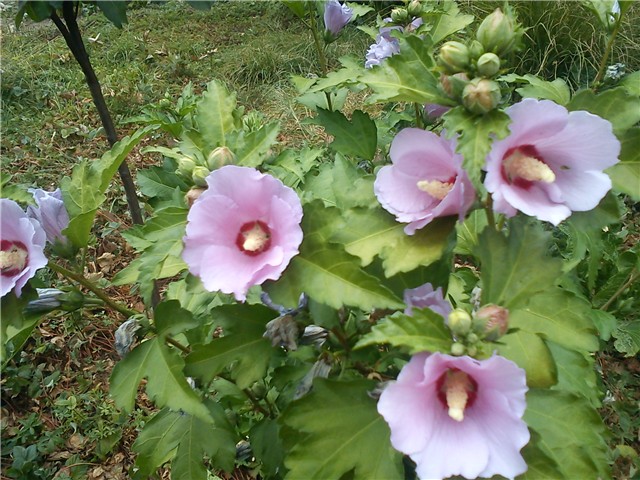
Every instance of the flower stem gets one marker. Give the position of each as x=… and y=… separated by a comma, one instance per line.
x=89, y=285
x=488, y=208
x=178, y=345
x=605, y=57
x=419, y=122
x=633, y=276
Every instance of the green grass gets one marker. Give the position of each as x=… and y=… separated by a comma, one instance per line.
x=49, y=122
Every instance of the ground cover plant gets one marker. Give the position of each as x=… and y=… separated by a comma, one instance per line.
x=396, y=240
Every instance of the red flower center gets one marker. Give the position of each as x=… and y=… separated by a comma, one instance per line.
x=456, y=391
x=14, y=257
x=521, y=166
x=254, y=238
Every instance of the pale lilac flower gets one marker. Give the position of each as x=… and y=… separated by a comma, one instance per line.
x=22, y=242
x=336, y=16
x=458, y=416
x=51, y=213
x=425, y=180
x=425, y=296
x=244, y=229
x=552, y=162
x=386, y=45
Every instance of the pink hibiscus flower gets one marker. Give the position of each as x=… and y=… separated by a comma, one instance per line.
x=425, y=180
x=22, y=242
x=458, y=415
x=552, y=162
x=244, y=229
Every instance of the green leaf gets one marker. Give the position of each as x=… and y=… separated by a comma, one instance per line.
x=251, y=148
x=341, y=184
x=171, y=319
x=476, y=133
x=355, y=138
x=373, y=232
x=631, y=83
x=530, y=352
x=186, y=439
x=156, y=182
x=267, y=446
x=448, y=23
x=215, y=115
x=468, y=232
x=16, y=325
x=161, y=238
x=326, y=272
x=291, y=166
x=615, y=105
x=38, y=10
x=83, y=193
x=298, y=7
x=405, y=77
x=422, y=331
x=344, y=432
x=515, y=267
x=571, y=433
x=539, y=465
x=559, y=316
x=193, y=297
x=114, y=10
x=16, y=192
x=557, y=91
x=576, y=373
x=626, y=174
x=627, y=337
x=202, y=5
x=245, y=350
x=166, y=383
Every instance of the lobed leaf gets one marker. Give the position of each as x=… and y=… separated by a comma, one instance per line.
x=405, y=77
x=355, y=137
x=422, y=331
x=516, y=266
x=475, y=136
x=341, y=431
x=214, y=115
x=166, y=383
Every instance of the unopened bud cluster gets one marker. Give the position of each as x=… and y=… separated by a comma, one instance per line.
x=468, y=70
x=196, y=170
x=487, y=324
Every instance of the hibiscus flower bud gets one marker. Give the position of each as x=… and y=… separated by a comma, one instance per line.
x=199, y=175
x=400, y=15
x=475, y=49
x=495, y=320
x=481, y=95
x=454, y=57
x=414, y=8
x=453, y=85
x=186, y=166
x=458, y=349
x=497, y=33
x=193, y=194
x=488, y=65
x=51, y=213
x=336, y=16
x=219, y=157
x=459, y=322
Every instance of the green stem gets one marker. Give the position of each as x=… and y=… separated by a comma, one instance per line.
x=488, y=208
x=89, y=285
x=605, y=57
x=255, y=402
x=418, y=108
x=178, y=345
x=635, y=273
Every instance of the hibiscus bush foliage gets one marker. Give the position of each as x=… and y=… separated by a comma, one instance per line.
x=422, y=297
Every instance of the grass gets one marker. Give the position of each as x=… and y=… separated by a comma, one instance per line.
x=54, y=394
